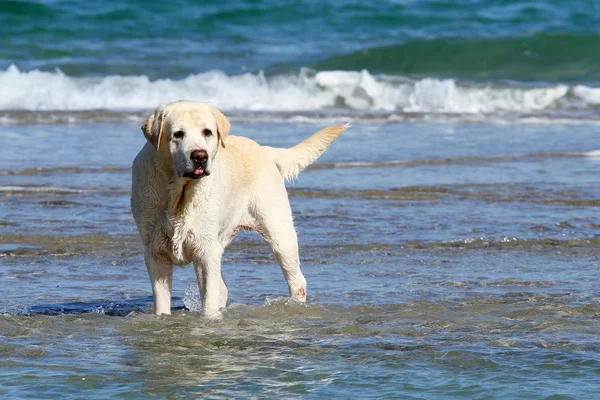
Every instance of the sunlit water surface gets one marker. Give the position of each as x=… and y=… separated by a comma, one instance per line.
x=443, y=260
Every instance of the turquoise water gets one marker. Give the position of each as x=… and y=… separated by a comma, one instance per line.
x=520, y=40
x=398, y=60
x=450, y=239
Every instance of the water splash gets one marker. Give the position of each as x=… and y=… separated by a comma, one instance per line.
x=191, y=298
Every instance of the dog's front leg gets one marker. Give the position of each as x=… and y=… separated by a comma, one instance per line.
x=208, y=272
x=160, y=270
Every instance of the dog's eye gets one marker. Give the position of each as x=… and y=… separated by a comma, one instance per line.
x=207, y=132
x=178, y=134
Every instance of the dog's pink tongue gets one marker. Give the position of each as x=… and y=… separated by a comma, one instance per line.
x=199, y=171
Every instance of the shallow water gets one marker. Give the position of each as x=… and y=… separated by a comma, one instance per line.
x=450, y=238
x=442, y=261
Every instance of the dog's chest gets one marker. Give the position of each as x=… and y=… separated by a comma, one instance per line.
x=188, y=224
x=188, y=235
x=180, y=245
x=183, y=248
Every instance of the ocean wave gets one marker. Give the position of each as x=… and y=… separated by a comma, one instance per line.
x=308, y=90
x=547, y=57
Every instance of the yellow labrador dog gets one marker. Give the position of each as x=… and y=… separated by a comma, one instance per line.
x=194, y=187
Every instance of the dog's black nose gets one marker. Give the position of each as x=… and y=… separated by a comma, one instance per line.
x=199, y=157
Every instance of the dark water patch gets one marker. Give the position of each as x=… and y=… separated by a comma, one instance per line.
x=10, y=248
x=66, y=246
x=574, y=203
x=60, y=203
x=255, y=250
x=540, y=228
x=500, y=283
x=54, y=195
x=502, y=194
x=60, y=171
x=28, y=9
x=327, y=115
x=533, y=245
x=537, y=57
x=118, y=308
x=369, y=194
x=447, y=161
x=110, y=308
x=512, y=243
x=70, y=117
x=475, y=161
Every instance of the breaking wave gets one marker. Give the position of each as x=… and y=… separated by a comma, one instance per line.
x=306, y=91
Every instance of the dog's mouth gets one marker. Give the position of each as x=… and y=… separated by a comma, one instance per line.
x=197, y=173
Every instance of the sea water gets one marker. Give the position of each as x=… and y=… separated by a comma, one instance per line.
x=450, y=238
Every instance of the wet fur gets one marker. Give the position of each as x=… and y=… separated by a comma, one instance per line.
x=184, y=221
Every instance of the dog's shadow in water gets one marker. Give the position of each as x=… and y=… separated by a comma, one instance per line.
x=118, y=308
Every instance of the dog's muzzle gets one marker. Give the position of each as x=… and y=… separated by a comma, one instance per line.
x=199, y=160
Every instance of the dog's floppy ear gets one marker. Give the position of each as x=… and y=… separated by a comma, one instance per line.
x=153, y=126
x=223, y=125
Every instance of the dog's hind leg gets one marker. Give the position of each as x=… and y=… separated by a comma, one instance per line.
x=277, y=227
x=223, y=293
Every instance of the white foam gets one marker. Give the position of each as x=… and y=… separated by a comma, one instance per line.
x=446, y=96
x=592, y=154
x=306, y=91
x=39, y=189
x=587, y=94
x=36, y=90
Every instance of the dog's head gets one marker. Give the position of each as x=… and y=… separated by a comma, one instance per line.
x=187, y=135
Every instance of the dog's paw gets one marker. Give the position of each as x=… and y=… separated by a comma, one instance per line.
x=213, y=316
x=300, y=294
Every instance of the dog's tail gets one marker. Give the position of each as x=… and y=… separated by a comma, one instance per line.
x=292, y=161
